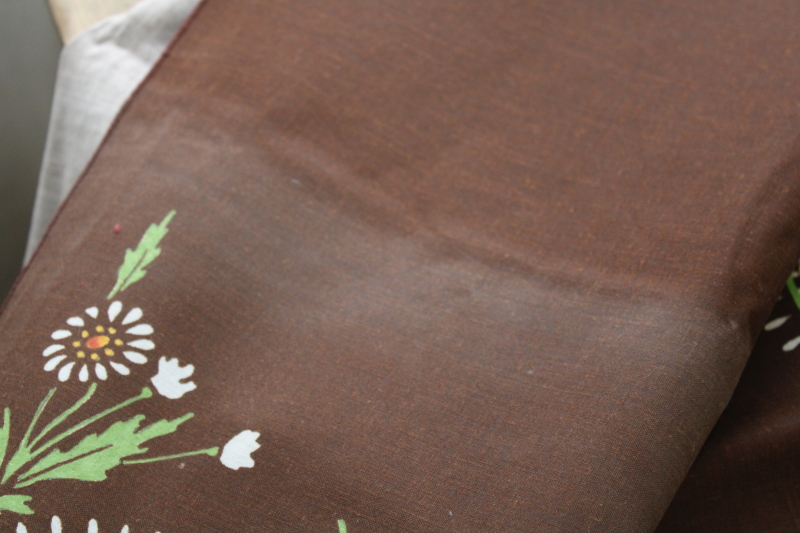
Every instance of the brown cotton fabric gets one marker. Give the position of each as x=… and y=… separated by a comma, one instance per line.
x=464, y=266
x=745, y=477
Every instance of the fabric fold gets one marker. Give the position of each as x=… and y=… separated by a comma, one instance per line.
x=743, y=479
x=416, y=266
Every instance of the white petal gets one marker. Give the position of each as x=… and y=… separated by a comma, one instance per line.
x=132, y=316
x=100, y=370
x=113, y=310
x=791, y=345
x=55, y=525
x=122, y=369
x=83, y=375
x=778, y=322
x=75, y=321
x=21, y=528
x=54, y=362
x=92, y=526
x=135, y=357
x=92, y=312
x=125, y=529
x=63, y=374
x=142, y=344
x=53, y=348
x=141, y=329
x=236, y=453
x=61, y=334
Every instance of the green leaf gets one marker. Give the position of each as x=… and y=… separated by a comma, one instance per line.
x=792, y=286
x=16, y=503
x=95, y=455
x=133, y=268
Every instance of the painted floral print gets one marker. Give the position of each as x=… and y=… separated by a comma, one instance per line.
x=55, y=527
x=93, y=345
x=93, y=341
x=92, y=527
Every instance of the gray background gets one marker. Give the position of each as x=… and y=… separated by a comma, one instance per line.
x=29, y=47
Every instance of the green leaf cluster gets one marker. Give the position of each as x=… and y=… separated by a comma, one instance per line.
x=90, y=459
x=95, y=455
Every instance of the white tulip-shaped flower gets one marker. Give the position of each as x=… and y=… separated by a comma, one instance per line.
x=236, y=454
x=169, y=380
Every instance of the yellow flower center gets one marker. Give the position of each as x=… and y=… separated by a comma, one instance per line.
x=97, y=342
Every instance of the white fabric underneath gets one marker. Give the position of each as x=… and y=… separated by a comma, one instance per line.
x=97, y=72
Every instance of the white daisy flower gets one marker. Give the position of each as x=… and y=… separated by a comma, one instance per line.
x=93, y=340
x=55, y=527
x=168, y=381
x=236, y=453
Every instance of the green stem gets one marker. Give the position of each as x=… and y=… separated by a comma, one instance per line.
x=19, y=458
x=35, y=419
x=146, y=393
x=63, y=416
x=208, y=451
x=792, y=286
x=6, y=429
x=342, y=526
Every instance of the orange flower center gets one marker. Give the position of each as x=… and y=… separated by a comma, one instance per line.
x=97, y=342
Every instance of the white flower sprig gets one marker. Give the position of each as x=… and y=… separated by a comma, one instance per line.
x=236, y=453
x=169, y=380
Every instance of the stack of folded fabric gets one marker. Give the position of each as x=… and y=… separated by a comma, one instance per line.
x=424, y=266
